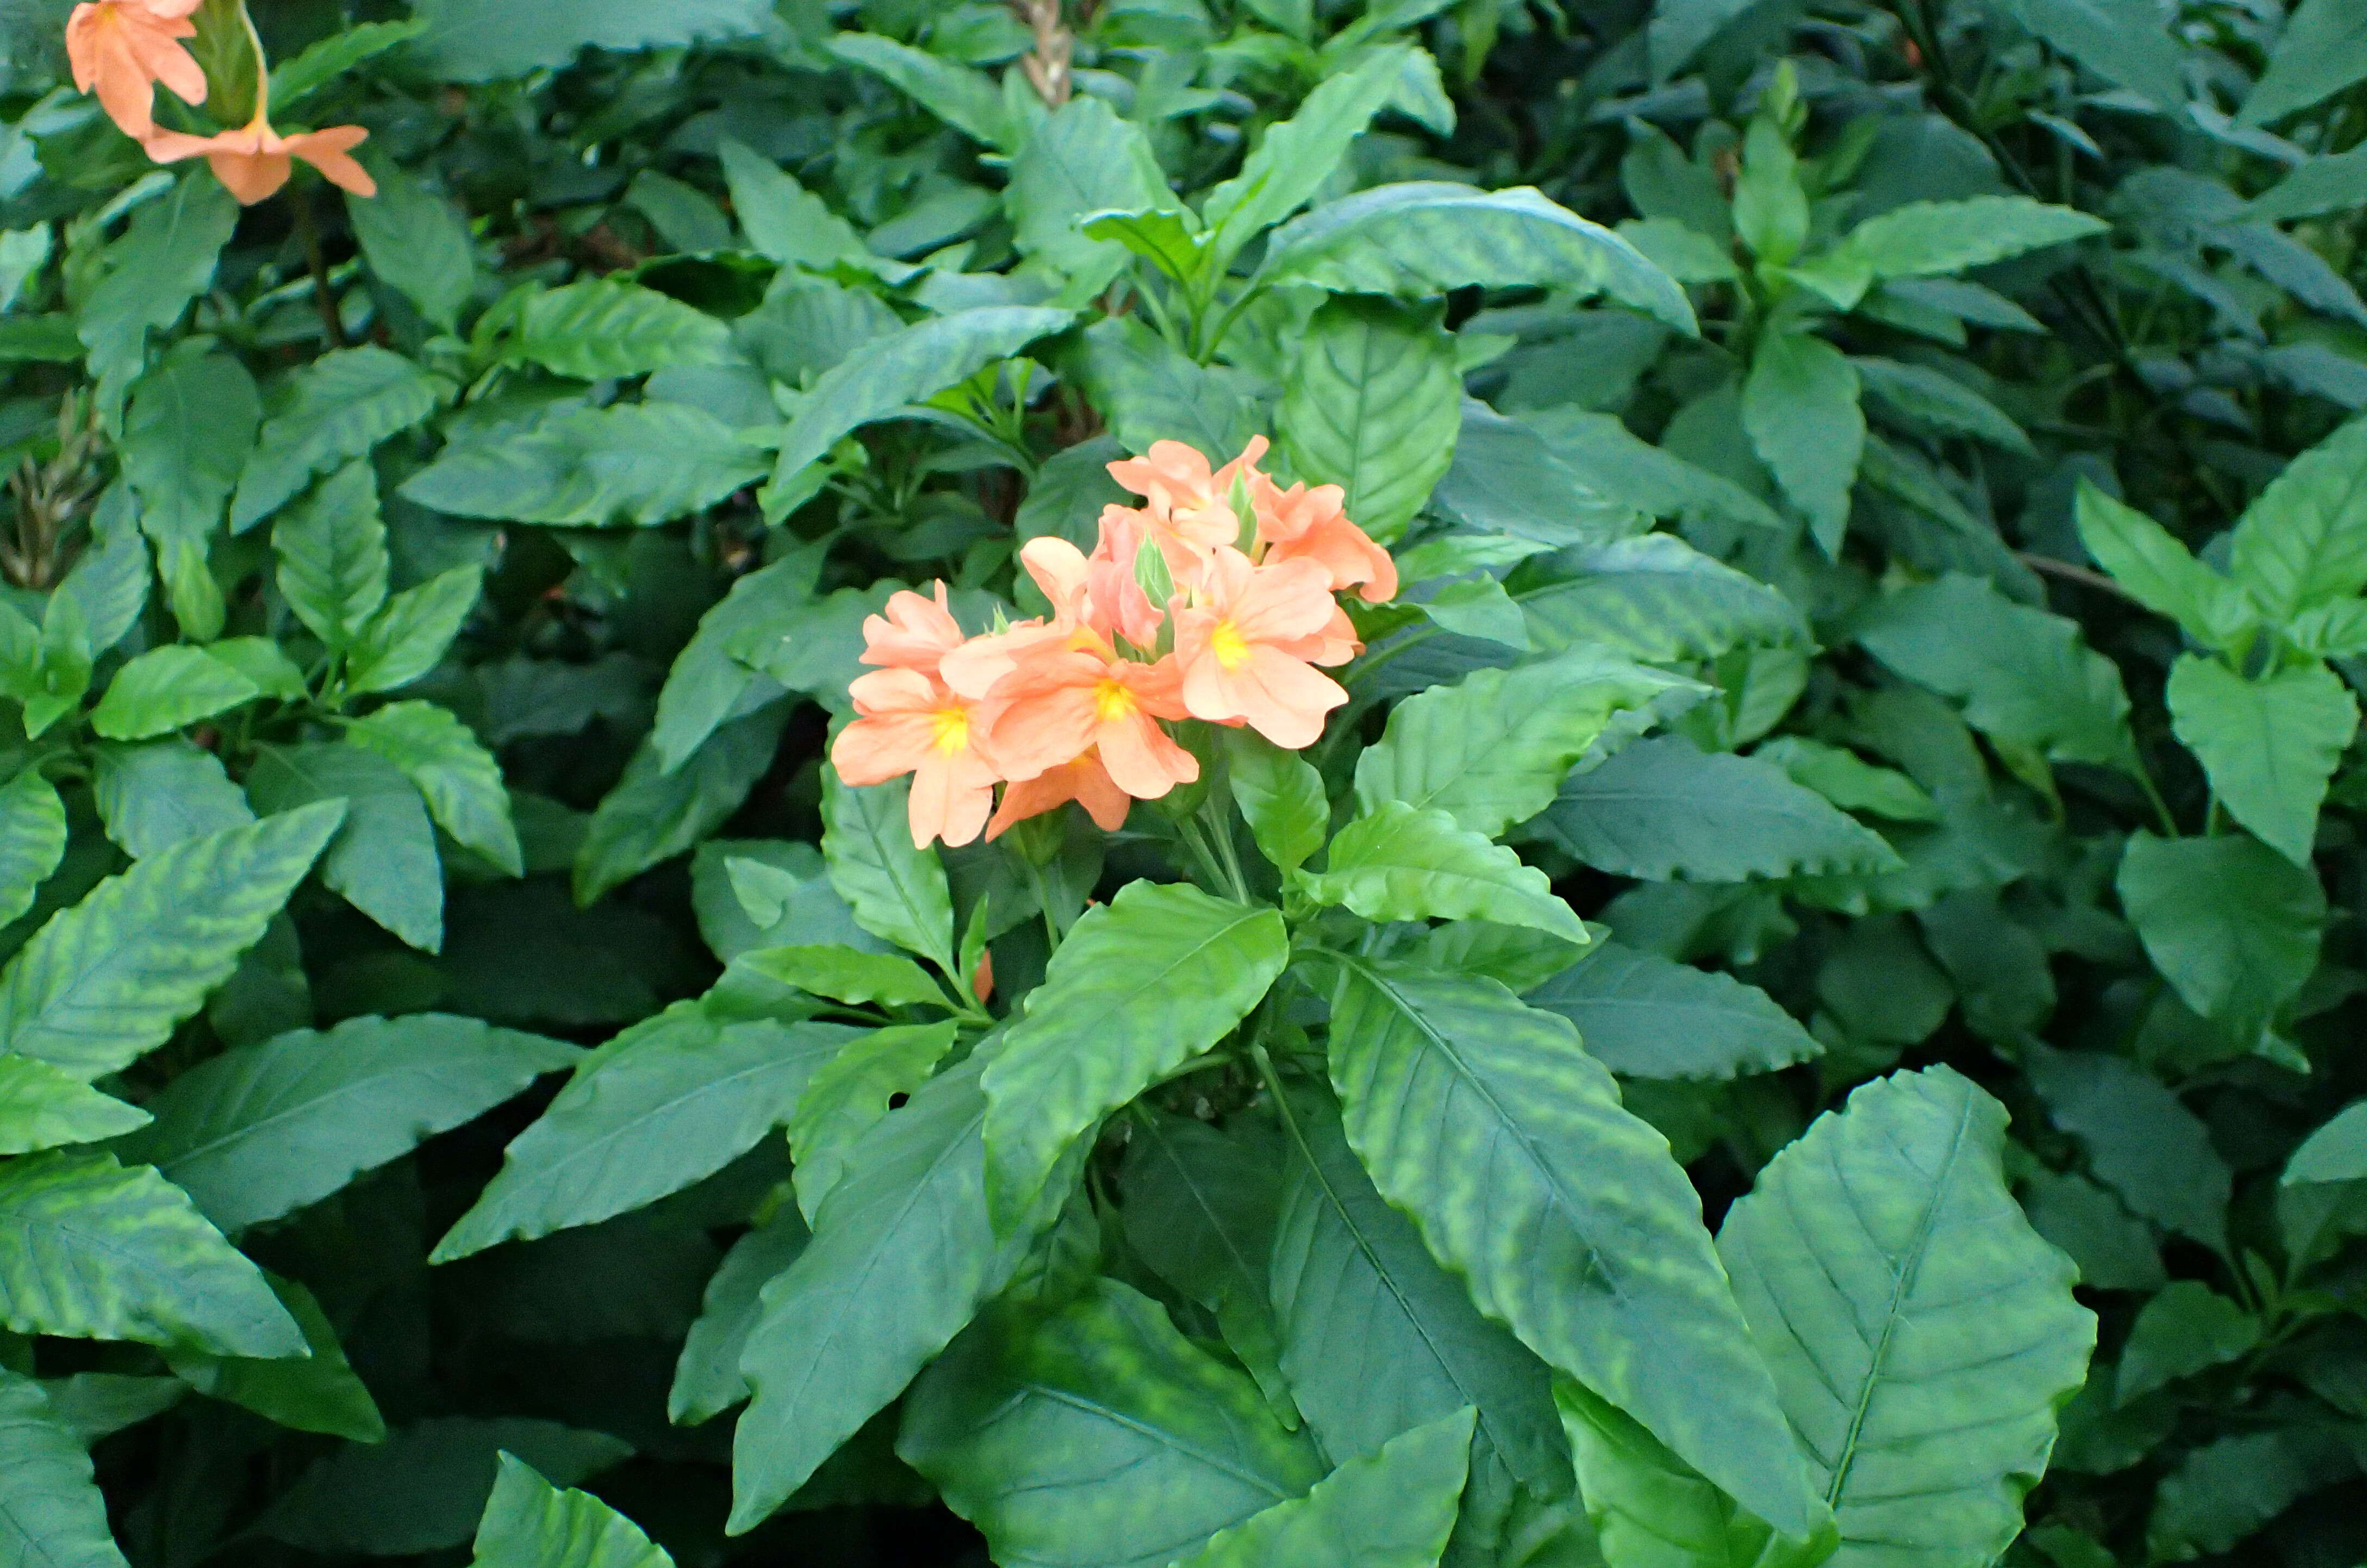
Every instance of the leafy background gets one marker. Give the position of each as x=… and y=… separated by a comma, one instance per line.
x=424, y=617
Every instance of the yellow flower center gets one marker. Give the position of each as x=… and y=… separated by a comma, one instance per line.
x=1113, y=701
x=1231, y=648
x=952, y=730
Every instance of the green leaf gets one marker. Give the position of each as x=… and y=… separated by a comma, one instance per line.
x=652, y=816
x=262, y=1131
x=333, y=556
x=1400, y=863
x=2231, y=924
x=2224, y=1490
x=1771, y=208
x=1170, y=240
x=384, y=861
x=2270, y=746
x=784, y=221
x=1149, y=391
x=412, y=631
x=2318, y=187
x=1139, y=986
x=529, y=1523
x=630, y=465
x=55, y=1515
x=415, y=241
x=1492, y=749
x=2142, y=1141
x=2303, y=542
x=851, y=1092
x=315, y=1392
x=1376, y=1337
x=458, y=777
x=1662, y=809
x=327, y=414
x=1922, y=1336
x=707, y=1379
x=2024, y=676
x=42, y=1108
x=167, y=688
x=1424, y=238
x=2322, y=50
x=1800, y=407
x=1294, y=159
x=2144, y=557
x=1099, y=1437
x=1629, y=471
x=465, y=44
x=1643, y=1016
x=188, y=431
x=883, y=376
x=1848, y=780
x=157, y=795
x=1281, y=796
x=847, y=974
x=903, y=1254
x=1651, y=1509
x=1937, y=403
x=1565, y=1214
x=422, y=1489
x=164, y=260
x=1934, y=239
x=1082, y=161
x=668, y=1103
x=2336, y=1152
x=963, y=98
x=32, y=840
x=896, y=890
x=2187, y=1329
x=706, y=683
x=90, y=1249
x=1392, y=1508
x=1654, y=598
x=604, y=328
x=1373, y=405
x=106, y=982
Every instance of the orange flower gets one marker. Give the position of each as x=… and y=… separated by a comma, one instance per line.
x=914, y=723
x=1299, y=524
x=1246, y=645
x=1077, y=625
x=915, y=634
x=122, y=49
x=1191, y=510
x=1083, y=780
x=1056, y=707
x=254, y=162
x=1114, y=584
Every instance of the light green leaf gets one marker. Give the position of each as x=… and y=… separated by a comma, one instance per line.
x=458, y=777
x=1643, y=1016
x=2144, y=557
x=1424, y=238
x=1139, y=986
x=652, y=816
x=1800, y=407
x=327, y=414
x=90, y=1249
x=167, y=688
x=1771, y=208
x=1393, y=1508
x=333, y=556
x=604, y=328
x=903, y=1254
x=384, y=861
x=2303, y=542
x=1099, y=1437
x=884, y=375
x=2270, y=746
x=1171, y=239
x=106, y=982
x=1848, y=780
x=316, y=1393
x=847, y=974
x=2336, y=1152
x=1294, y=159
x=1400, y=863
x=2331, y=631
x=42, y=1108
x=896, y=890
x=32, y=840
x=630, y=465
x=2231, y=924
x=2322, y=50
x=155, y=795
x=670, y=1101
x=1281, y=796
x=262, y=1131
x=1492, y=749
x=55, y=1515
x=415, y=241
x=1933, y=239
x=1662, y=810
x=1082, y=161
x=2024, y=676
x=1373, y=405
x=412, y=631
x=1487, y=1123
x=529, y=1523
x=963, y=98
x=164, y=260
x=1923, y=1335
x=850, y=1093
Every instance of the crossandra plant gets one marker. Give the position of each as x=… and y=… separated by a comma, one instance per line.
x=1174, y=782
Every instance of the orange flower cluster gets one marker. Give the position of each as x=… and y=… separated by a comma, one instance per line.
x=122, y=49
x=1074, y=707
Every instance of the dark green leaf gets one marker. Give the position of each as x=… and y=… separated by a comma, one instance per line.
x=1391, y=1508
x=1372, y=406
x=412, y=631
x=327, y=414
x=627, y=465
x=1800, y=406
x=333, y=556
x=422, y=1489
x=458, y=777
x=55, y=1515
x=604, y=328
x=384, y=861
x=2233, y=926
x=1647, y=1017
x=155, y=795
x=896, y=890
x=315, y=1392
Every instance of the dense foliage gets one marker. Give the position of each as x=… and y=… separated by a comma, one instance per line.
x=1796, y=1001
